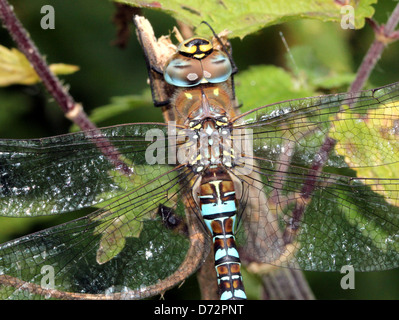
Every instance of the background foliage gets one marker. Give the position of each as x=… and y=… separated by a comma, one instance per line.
x=112, y=86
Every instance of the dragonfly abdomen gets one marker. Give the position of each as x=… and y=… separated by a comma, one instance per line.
x=218, y=207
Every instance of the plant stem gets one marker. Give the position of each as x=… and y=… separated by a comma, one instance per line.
x=384, y=35
x=73, y=111
x=27, y=47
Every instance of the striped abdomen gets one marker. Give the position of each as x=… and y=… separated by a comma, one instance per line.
x=218, y=208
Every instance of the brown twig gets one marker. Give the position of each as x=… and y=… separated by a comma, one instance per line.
x=73, y=111
x=384, y=35
x=26, y=45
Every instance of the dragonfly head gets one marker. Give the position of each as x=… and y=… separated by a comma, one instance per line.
x=195, y=48
x=197, y=62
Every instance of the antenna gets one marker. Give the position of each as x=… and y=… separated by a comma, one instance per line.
x=233, y=65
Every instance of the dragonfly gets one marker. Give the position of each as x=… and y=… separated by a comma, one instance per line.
x=301, y=184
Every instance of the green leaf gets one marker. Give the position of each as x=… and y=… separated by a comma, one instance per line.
x=327, y=43
x=115, y=227
x=252, y=282
x=262, y=85
x=245, y=17
x=363, y=223
x=318, y=74
x=368, y=228
x=121, y=105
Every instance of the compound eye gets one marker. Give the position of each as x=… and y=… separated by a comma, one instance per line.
x=183, y=72
x=217, y=67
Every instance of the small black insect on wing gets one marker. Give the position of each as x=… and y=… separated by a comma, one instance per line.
x=171, y=221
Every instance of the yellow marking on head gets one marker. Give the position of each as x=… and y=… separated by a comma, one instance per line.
x=205, y=47
x=199, y=56
x=190, y=49
x=216, y=91
x=188, y=95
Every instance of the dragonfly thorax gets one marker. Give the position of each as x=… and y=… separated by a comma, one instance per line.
x=209, y=144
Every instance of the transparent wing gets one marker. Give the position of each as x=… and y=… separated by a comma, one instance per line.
x=65, y=173
x=122, y=250
x=138, y=243
x=323, y=190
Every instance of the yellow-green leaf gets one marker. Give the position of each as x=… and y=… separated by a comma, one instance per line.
x=379, y=157
x=16, y=69
x=62, y=68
